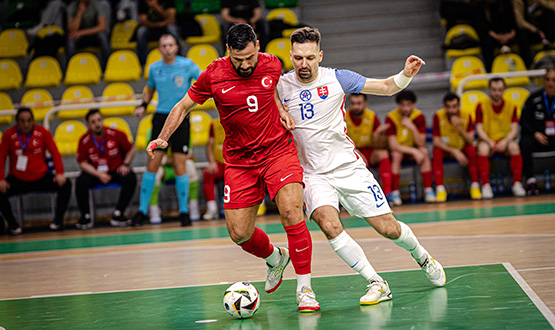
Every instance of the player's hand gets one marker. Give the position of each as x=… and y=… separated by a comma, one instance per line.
x=123, y=170
x=460, y=157
x=59, y=179
x=407, y=122
x=104, y=177
x=418, y=156
x=158, y=143
x=501, y=146
x=140, y=111
x=541, y=138
x=413, y=65
x=4, y=186
x=286, y=119
x=455, y=120
x=212, y=168
x=382, y=128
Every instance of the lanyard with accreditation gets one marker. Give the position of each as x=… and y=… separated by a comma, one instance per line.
x=21, y=164
x=102, y=162
x=549, y=122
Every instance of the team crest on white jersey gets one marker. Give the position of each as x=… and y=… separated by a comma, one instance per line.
x=305, y=95
x=323, y=92
x=179, y=80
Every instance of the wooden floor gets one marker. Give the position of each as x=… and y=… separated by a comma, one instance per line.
x=526, y=242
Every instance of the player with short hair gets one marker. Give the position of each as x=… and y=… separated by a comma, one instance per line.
x=497, y=128
x=333, y=172
x=258, y=152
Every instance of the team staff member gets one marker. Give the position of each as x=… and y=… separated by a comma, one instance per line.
x=363, y=127
x=537, y=123
x=171, y=77
x=104, y=155
x=26, y=144
x=258, y=152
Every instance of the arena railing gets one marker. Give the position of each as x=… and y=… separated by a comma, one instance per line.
x=529, y=73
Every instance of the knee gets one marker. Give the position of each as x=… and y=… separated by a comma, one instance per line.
x=239, y=235
x=396, y=157
x=330, y=228
x=483, y=149
x=514, y=148
x=388, y=227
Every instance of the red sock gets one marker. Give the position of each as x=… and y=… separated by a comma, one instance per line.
x=427, y=179
x=385, y=175
x=483, y=168
x=395, y=178
x=437, y=166
x=300, y=247
x=516, y=167
x=470, y=152
x=259, y=244
x=208, y=186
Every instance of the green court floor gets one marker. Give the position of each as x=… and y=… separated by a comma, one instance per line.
x=475, y=297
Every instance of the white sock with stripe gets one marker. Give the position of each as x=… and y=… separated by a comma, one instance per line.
x=353, y=255
x=409, y=242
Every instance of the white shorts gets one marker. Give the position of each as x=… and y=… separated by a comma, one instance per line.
x=352, y=185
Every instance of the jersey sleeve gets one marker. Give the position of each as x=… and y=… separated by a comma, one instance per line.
x=201, y=91
x=82, y=151
x=479, y=114
x=514, y=118
x=211, y=131
x=392, y=129
x=435, y=126
x=377, y=123
x=150, y=83
x=123, y=141
x=350, y=81
x=470, y=124
x=420, y=123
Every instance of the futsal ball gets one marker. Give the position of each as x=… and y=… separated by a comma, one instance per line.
x=241, y=300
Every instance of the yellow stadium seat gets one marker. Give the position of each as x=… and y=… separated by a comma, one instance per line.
x=510, y=63
x=6, y=104
x=67, y=136
x=287, y=16
x=152, y=57
x=466, y=66
x=456, y=31
x=200, y=128
x=119, y=124
x=202, y=55
x=208, y=105
x=122, y=33
x=123, y=65
x=118, y=92
x=50, y=30
x=83, y=69
x=470, y=100
x=44, y=71
x=39, y=100
x=11, y=74
x=13, y=43
x=518, y=96
x=281, y=47
x=144, y=126
x=74, y=95
x=211, y=31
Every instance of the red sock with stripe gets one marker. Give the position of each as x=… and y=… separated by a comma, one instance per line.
x=300, y=247
x=259, y=244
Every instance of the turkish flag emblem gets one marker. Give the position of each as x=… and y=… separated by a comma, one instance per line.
x=323, y=92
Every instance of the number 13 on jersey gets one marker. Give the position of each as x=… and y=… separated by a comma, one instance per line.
x=307, y=110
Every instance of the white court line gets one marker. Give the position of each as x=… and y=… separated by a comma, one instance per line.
x=534, y=269
x=542, y=307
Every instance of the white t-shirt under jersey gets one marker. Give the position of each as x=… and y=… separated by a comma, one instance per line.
x=318, y=108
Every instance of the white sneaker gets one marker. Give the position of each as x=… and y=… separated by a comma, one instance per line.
x=377, y=291
x=211, y=211
x=306, y=299
x=396, y=198
x=434, y=271
x=16, y=231
x=487, y=192
x=275, y=273
x=194, y=213
x=55, y=227
x=518, y=189
x=429, y=195
x=155, y=214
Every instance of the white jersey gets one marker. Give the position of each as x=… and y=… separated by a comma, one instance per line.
x=318, y=108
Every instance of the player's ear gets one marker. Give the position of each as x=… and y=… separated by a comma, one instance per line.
x=321, y=56
x=257, y=45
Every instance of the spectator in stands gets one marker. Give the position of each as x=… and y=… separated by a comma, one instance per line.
x=459, y=11
x=247, y=12
x=53, y=14
x=215, y=170
x=497, y=29
x=156, y=17
x=407, y=140
x=363, y=127
x=497, y=128
x=104, y=155
x=537, y=123
x=536, y=21
x=127, y=9
x=165, y=173
x=171, y=77
x=87, y=26
x=26, y=145
x=453, y=134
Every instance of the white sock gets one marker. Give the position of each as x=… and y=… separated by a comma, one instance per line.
x=303, y=280
x=352, y=254
x=211, y=207
x=273, y=259
x=409, y=242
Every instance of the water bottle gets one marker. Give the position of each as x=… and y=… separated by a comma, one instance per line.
x=412, y=189
x=547, y=181
x=500, y=187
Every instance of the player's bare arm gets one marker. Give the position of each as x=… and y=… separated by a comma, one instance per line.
x=146, y=98
x=286, y=119
x=176, y=116
x=396, y=83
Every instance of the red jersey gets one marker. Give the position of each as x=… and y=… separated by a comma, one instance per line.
x=112, y=147
x=35, y=145
x=247, y=108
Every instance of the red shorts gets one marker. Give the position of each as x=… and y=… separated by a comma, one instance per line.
x=244, y=185
x=367, y=153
